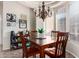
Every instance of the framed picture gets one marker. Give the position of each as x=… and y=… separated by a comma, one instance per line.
x=22, y=23
x=11, y=17
x=8, y=24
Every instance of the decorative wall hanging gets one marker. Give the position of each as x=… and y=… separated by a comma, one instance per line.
x=11, y=17
x=22, y=23
x=8, y=24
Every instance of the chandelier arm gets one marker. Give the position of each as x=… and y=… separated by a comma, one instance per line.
x=38, y=15
x=42, y=12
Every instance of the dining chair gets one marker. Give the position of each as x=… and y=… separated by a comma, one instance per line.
x=29, y=48
x=54, y=34
x=33, y=34
x=59, y=49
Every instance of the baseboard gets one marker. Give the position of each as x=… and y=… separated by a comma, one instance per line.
x=72, y=54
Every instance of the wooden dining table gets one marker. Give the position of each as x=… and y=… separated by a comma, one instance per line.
x=45, y=42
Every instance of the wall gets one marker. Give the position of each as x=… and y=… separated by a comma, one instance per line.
x=32, y=20
x=32, y=25
x=14, y=8
x=1, y=9
x=0, y=30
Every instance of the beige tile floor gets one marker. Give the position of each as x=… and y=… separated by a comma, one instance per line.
x=18, y=54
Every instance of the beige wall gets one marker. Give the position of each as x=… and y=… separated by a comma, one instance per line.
x=15, y=8
x=1, y=13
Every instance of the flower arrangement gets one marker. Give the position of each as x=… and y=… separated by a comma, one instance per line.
x=40, y=30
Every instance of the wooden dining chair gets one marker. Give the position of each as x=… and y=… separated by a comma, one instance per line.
x=54, y=31
x=54, y=34
x=59, y=49
x=29, y=48
x=33, y=35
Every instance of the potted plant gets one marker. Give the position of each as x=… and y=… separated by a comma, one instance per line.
x=40, y=31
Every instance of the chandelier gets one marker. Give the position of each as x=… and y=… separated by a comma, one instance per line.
x=43, y=12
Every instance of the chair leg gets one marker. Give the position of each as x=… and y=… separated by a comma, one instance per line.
x=23, y=55
x=34, y=56
x=64, y=56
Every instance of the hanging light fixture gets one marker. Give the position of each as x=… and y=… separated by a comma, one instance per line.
x=42, y=12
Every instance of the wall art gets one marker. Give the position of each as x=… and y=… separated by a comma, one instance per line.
x=22, y=23
x=11, y=17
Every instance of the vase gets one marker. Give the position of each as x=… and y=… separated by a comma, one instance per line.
x=41, y=35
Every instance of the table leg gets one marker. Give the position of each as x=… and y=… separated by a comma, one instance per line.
x=42, y=55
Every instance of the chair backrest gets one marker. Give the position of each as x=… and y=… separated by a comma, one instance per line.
x=61, y=42
x=25, y=41
x=33, y=34
x=12, y=35
x=54, y=34
x=28, y=45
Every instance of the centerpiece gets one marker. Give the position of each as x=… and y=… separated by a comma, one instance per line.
x=41, y=32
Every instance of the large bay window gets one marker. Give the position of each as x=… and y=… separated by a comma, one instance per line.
x=74, y=20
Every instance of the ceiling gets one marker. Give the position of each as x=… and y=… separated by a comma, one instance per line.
x=35, y=4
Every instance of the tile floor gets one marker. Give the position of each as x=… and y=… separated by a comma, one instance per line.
x=18, y=54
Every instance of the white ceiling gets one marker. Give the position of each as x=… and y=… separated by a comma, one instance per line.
x=35, y=4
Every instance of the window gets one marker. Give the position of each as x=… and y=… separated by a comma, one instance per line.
x=74, y=20
x=60, y=18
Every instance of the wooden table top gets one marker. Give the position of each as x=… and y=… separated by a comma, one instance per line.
x=45, y=40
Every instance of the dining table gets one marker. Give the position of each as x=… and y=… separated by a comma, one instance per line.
x=43, y=43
